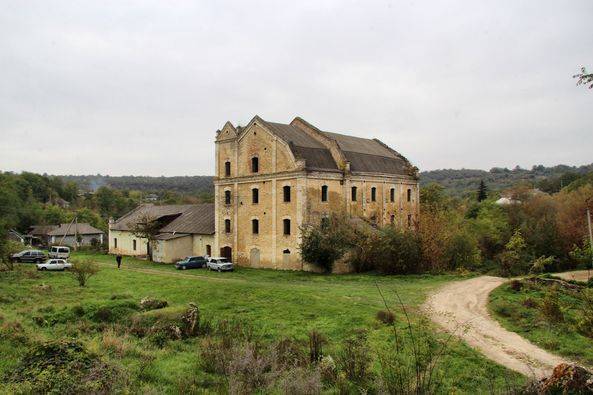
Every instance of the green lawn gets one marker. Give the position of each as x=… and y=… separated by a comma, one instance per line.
x=276, y=304
x=521, y=311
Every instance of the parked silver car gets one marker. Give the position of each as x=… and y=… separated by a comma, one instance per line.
x=54, y=264
x=219, y=264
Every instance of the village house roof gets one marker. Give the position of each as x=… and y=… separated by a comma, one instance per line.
x=74, y=229
x=40, y=230
x=360, y=155
x=180, y=218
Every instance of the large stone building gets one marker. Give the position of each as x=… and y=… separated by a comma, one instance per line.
x=272, y=178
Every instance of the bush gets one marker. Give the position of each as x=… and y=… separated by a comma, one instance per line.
x=354, y=358
x=386, y=317
x=585, y=321
x=399, y=252
x=516, y=285
x=462, y=251
x=64, y=367
x=550, y=307
x=83, y=269
x=152, y=304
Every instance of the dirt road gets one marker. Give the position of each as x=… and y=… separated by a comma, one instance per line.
x=579, y=275
x=460, y=307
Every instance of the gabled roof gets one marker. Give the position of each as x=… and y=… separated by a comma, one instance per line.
x=40, y=230
x=181, y=218
x=74, y=229
x=315, y=147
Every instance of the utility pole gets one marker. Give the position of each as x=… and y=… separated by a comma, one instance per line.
x=590, y=243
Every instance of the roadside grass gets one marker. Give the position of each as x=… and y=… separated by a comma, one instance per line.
x=521, y=311
x=50, y=305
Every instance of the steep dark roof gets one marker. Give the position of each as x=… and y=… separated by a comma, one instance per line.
x=371, y=156
x=186, y=218
x=74, y=229
x=365, y=155
x=303, y=146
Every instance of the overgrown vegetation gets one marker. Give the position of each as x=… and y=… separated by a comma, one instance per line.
x=552, y=313
x=237, y=341
x=538, y=233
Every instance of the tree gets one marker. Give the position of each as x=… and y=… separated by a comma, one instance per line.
x=584, y=78
x=83, y=269
x=482, y=191
x=147, y=228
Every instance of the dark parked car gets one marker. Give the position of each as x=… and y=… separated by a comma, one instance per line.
x=30, y=256
x=191, y=262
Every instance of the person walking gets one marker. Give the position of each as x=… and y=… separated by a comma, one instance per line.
x=118, y=260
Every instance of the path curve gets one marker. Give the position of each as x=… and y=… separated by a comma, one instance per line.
x=461, y=308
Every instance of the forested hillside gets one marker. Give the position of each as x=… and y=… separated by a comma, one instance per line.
x=463, y=181
x=194, y=185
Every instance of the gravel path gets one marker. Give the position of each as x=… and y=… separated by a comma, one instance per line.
x=461, y=308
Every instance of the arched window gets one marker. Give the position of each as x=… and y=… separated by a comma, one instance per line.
x=134, y=245
x=254, y=164
x=354, y=190
x=324, y=193
x=227, y=226
x=255, y=196
x=286, y=193
x=392, y=194
x=409, y=195
x=227, y=169
x=115, y=242
x=286, y=226
x=255, y=226
x=373, y=194
x=227, y=197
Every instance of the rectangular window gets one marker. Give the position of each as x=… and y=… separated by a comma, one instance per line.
x=409, y=195
x=255, y=226
x=286, y=223
x=324, y=193
x=354, y=194
x=115, y=243
x=227, y=197
x=392, y=194
x=134, y=245
x=255, y=196
x=286, y=193
x=254, y=164
x=373, y=194
x=227, y=169
x=227, y=226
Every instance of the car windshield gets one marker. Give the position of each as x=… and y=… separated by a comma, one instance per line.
x=223, y=260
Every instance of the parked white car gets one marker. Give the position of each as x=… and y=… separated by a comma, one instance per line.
x=54, y=264
x=219, y=264
x=59, y=252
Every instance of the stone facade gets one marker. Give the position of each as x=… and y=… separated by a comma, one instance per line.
x=271, y=179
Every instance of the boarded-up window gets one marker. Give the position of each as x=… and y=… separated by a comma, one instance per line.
x=286, y=193
x=208, y=249
x=324, y=193
x=255, y=196
x=286, y=257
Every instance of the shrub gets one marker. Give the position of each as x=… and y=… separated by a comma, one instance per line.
x=301, y=381
x=516, y=285
x=386, y=317
x=550, y=307
x=83, y=269
x=316, y=343
x=462, y=251
x=148, y=303
x=399, y=252
x=249, y=369
x=354, y=358
x=324, y=243
x=541, y=264
x=65, y=367
x=585, y=320
x=529, y=303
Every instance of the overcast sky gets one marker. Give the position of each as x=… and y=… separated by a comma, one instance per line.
x=140, y=88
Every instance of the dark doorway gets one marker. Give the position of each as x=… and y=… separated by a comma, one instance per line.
x=227, y=252
x=208, y=249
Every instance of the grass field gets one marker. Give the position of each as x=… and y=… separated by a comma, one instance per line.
x=40, y=306
x=522, y=311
